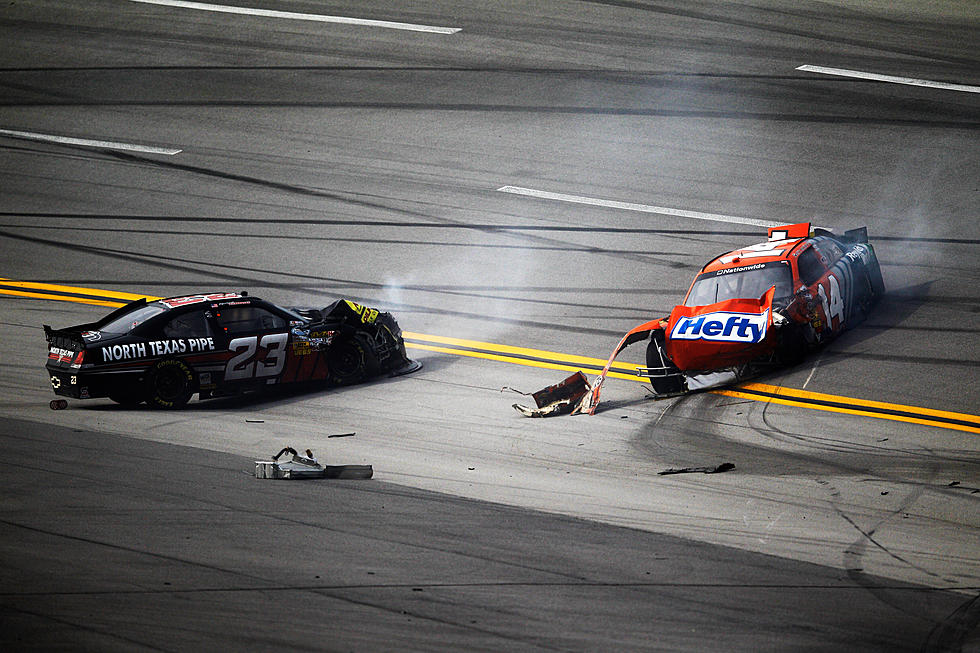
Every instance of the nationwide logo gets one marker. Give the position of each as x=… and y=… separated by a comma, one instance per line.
x=722, y=326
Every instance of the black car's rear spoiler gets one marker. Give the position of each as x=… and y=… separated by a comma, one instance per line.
x=64, y=338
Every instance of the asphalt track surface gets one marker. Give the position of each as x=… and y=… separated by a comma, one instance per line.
x=306, y=160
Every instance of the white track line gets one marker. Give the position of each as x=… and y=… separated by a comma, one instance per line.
x=292, y=15
x=908, y=81
x=629, y=206
x=105, y=145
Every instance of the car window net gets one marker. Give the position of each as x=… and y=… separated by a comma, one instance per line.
x=248, y=319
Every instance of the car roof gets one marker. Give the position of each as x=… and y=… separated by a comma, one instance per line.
x=762, y=253
x=781, y=244
x=206, y=298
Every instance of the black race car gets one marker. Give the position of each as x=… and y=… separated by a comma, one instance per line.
x=164, y=351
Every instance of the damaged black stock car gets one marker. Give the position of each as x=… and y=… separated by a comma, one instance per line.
x=164, y=351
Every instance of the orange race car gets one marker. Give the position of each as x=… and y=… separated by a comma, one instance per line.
x=755, y=307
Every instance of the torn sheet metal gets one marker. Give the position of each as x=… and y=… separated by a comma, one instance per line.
x=557, y=399
x=591, y=401
x=300, y=467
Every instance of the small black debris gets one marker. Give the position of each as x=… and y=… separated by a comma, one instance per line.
x=724, y=467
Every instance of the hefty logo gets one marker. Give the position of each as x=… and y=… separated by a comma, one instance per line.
x=722, y=326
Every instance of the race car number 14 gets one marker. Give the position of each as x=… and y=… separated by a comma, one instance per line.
x=245, y=364
x=835, y=307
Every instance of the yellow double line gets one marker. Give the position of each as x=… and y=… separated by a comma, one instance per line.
x=755, y=391
x=66, y=293
x=567, y=362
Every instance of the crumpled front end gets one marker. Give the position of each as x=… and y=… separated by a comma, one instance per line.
x=722, y=335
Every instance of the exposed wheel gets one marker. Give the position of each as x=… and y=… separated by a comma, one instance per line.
x=792, y=347
x=350, y=361
x=671, y=381
x=169, y=384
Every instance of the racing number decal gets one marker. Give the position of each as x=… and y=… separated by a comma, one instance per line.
x=243, y=365
x=835, y=306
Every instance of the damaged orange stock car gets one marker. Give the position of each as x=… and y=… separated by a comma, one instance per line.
x=759, y=306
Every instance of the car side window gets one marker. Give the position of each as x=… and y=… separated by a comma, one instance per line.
x=831, y=250
x=188, y=325
x=810, y=267
x=235, y=320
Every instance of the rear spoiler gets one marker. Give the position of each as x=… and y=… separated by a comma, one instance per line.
x=804, y=229
x=64, y=338
x=859, y=235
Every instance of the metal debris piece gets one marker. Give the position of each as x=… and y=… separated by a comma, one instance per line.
x=724, y=467
x=556, y=399
x=300, y=466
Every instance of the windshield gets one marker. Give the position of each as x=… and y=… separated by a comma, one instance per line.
x=129, y=321
x=751, y=281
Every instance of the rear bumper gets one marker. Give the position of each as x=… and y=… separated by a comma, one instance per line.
x=80, y=385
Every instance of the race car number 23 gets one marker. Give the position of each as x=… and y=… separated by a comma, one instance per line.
x=245, y=363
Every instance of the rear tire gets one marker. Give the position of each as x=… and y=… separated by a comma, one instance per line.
x=169, y=384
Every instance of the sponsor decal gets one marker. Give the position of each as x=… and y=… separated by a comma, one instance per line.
x=174, y=302
x=302, y=348
x=156, y=348
x=722, y=326
x=719, y=335
x=859, y=253
x=60, y=355
x=91, y=336
x=368, y=315
x=744, y=268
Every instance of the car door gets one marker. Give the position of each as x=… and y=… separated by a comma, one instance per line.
x=825, y=287
x=256, y=340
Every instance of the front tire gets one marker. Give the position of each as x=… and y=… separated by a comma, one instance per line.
x=169, y=384
x=350, y=361
x=672, y=382
x=791, y=348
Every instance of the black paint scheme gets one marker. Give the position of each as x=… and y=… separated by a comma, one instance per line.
x=214, y=344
